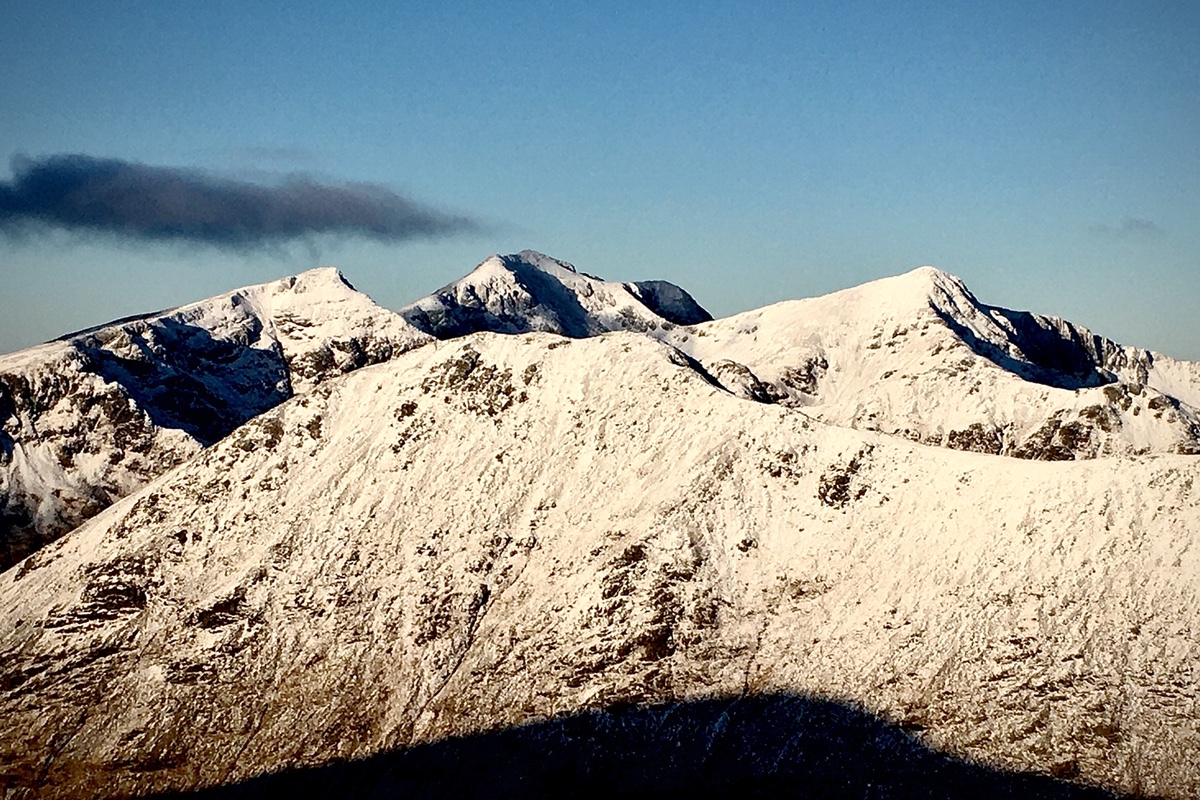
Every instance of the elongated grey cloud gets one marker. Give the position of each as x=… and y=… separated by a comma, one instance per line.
x=1130, y=228
x=139, y=201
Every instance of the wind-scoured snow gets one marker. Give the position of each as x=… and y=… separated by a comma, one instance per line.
x=498, y=529
x=93, y=416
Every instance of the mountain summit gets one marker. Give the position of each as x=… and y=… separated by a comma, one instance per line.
x=93, y=416
x=530, y=291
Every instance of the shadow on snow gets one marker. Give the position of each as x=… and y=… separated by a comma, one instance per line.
x=779, y=746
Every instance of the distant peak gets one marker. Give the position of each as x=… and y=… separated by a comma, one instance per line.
x=540, y=260
x=933, y=275
x=318, y=277
x=925, y=282
x=323, y=274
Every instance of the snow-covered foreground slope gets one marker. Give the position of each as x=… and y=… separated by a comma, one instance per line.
x=919, y=356
x=529, y=291
x=498, y=529
x=93, y=416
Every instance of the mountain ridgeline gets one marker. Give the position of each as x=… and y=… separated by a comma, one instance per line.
x=917, y=356
x=94, y=416
x=574, y=534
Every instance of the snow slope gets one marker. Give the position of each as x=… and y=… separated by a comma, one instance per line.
x=916, y=355
x=497, y=529
x=530, y=291
x=93, y=416
x=919, y=356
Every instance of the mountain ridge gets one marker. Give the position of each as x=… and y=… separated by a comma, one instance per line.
x=845, y=357
x=89, y=417
x=915, y=355
x=504, y=528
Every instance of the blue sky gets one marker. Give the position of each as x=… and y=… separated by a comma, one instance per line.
x=1047, y=153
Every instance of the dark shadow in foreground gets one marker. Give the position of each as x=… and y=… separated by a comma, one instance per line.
x=778, y=746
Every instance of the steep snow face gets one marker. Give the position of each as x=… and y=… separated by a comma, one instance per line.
x=533, y=292
x=497, y=529
x=91, y=417
x=918, y=356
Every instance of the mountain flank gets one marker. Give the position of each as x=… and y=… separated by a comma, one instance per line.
x=91, y=417
x=499, y=530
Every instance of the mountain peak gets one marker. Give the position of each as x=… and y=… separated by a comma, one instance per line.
x=541, y=261
x=932, y=278
x=932, y=273
x=91, y=417
x=926, y=282
x=318, y=279
x=530, y=291
x=524, y=261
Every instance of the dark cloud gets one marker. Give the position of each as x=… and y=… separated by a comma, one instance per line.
x=1130, y=228
x=138, y=201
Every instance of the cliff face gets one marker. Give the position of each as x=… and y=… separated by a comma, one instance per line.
x=503, y=529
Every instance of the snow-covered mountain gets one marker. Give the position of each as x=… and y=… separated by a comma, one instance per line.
x=530, y=291
x=919, y=356
x=93, y=416
x=496, y=530
x=916, y=355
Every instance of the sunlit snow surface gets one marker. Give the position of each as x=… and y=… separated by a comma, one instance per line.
x=500, y=528
x=91, y=417
x=497, y=529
